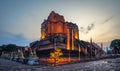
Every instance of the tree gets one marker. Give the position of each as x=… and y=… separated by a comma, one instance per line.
x=56, y=55
x=115, y=46
x=9, y=49
x=1, y=50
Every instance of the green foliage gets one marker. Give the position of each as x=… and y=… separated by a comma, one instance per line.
x=56, y=55
x=0, y=50
x=10, y=48
x=115, y=45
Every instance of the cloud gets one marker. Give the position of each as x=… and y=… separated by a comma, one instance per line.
x=8, y=38
x=88, y=29
x=108, y=19
x=82, y=29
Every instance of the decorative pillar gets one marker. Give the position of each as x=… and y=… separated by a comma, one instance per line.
x=79, y=52
x=72, y=40
x=42, y=33
x=68, y=39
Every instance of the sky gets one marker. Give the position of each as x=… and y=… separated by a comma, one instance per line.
x=20, y=20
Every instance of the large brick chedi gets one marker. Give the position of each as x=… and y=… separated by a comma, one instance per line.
x=56, y=25
x=57, y=33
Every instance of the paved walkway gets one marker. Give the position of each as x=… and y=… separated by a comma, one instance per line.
x=100, y=65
